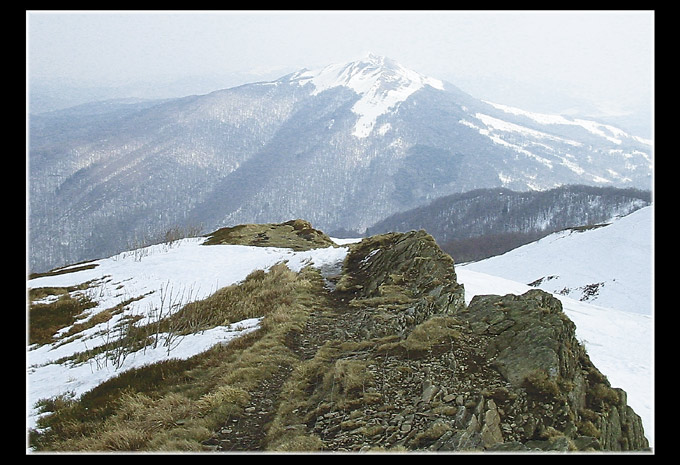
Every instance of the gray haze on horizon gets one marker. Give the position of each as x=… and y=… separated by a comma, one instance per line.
x=581, y=62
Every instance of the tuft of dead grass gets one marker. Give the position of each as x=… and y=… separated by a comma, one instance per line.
x=437, y=333
x=46, y=319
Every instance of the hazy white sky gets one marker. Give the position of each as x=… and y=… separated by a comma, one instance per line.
x=605, y=55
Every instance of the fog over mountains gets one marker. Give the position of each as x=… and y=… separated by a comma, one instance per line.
x=344, y=147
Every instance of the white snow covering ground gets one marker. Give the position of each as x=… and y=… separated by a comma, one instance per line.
x=381, y=83
x=167, y=277
x=610, y=266
x=619, y=342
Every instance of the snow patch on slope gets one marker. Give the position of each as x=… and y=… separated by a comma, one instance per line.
x=609, y=266
x=604, y=278
x=160, y=277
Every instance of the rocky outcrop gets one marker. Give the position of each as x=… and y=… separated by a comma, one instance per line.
x=399, y=281
x=294, y=234
x=566, y=402
x=406, y=365
x=391, y=358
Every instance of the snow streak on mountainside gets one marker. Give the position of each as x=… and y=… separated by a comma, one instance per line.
x=530, y=134
x=381, y=83
x=344, y=147
x=609, y=266
x=609, y=132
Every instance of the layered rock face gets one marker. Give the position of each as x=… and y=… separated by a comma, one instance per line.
x=406, y=365
x=562, y=400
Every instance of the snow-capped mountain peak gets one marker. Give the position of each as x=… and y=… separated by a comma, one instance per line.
x=345, y=146
x=381, y=83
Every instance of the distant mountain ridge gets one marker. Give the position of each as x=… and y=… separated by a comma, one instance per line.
x=344, y=147
x=503, y=219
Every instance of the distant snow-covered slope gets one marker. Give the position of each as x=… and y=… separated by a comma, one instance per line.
x=607, y=131
x=609, y=266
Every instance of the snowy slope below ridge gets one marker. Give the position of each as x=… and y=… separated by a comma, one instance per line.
x=604, y=279
x=609, y=266
x=165, y=278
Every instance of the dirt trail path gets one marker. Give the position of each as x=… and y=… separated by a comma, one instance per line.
x=248, y=432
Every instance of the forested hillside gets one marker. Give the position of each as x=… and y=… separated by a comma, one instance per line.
x=344, y=146
x=486, y=222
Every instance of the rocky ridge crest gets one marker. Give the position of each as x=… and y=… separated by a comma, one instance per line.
x=395, y=360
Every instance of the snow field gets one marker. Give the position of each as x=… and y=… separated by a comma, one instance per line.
x=183, y=272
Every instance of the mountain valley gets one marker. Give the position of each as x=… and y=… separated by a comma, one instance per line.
x=344, y=147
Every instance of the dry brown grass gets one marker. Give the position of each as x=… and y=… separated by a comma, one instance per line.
x=435, y=334
x=46, y=319
x=176, y=405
